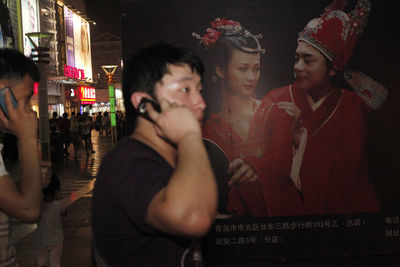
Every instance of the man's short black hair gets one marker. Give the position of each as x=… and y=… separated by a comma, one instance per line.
x=14, y=66
x=148, y=66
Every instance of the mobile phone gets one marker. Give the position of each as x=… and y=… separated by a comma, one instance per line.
x=142, y=111
x=3, y=100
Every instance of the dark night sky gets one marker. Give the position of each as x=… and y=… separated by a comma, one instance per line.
x=106, y=14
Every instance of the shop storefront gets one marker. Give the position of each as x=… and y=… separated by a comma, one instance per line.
x=79, y=94
x=80, y=99
x=70, y=66
x=103, y=100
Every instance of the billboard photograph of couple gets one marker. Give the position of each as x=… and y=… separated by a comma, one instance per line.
x=301, y=100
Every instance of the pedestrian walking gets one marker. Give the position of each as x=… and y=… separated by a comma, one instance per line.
x=105, y=123
x=120, y=125
x=74, y=133
x=53, y=122
x=97, y=124
x=85, y=129
x=64, y=127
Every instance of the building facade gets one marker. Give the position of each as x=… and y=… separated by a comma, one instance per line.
x=70, y=86
x=107, y=50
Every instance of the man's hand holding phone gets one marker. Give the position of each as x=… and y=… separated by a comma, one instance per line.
x=3, y=105
x=18, y=118
x=175, y=122
x=142, y=108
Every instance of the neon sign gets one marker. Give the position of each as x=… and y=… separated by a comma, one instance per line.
x=87, y=95
x=72, y=72
x=87, y=103
x=35, y=88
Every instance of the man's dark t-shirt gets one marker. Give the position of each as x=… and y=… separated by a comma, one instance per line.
x=130, y=176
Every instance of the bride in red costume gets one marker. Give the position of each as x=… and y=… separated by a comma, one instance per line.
x=239, y=123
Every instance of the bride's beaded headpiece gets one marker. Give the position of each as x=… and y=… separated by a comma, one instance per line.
x=222, y=27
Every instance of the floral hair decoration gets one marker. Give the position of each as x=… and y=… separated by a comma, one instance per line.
x=224, y=27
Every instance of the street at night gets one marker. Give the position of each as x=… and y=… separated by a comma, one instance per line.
x=77, y=177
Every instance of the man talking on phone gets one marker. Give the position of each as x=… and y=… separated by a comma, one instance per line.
x=156, y=190
x=22, y=201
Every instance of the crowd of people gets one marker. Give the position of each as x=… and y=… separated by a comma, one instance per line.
x=77, y=129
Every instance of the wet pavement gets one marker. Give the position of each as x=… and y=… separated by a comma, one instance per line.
x=77, y=177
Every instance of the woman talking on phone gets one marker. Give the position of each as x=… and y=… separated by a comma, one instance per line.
x=238, y=122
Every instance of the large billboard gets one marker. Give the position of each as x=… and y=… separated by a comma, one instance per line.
x=30, y=22
x=322, y=166
x=77, y=33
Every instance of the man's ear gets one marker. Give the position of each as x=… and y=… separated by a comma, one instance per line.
x=220, y=72
x=137, y=97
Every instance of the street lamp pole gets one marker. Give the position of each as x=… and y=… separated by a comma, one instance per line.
x=110, y=72
x=40, y=54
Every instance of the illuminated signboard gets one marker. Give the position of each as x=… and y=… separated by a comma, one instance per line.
x=77, y=38
x=72, y=72
x=30, y=22
x=87, y=95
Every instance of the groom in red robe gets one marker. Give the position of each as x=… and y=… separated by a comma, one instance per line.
x=329, y=172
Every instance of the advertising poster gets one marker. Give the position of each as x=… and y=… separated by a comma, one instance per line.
x=296, y=167
x=6, y=29
x=69, y=32
x=30, y=22
x=77, y=33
